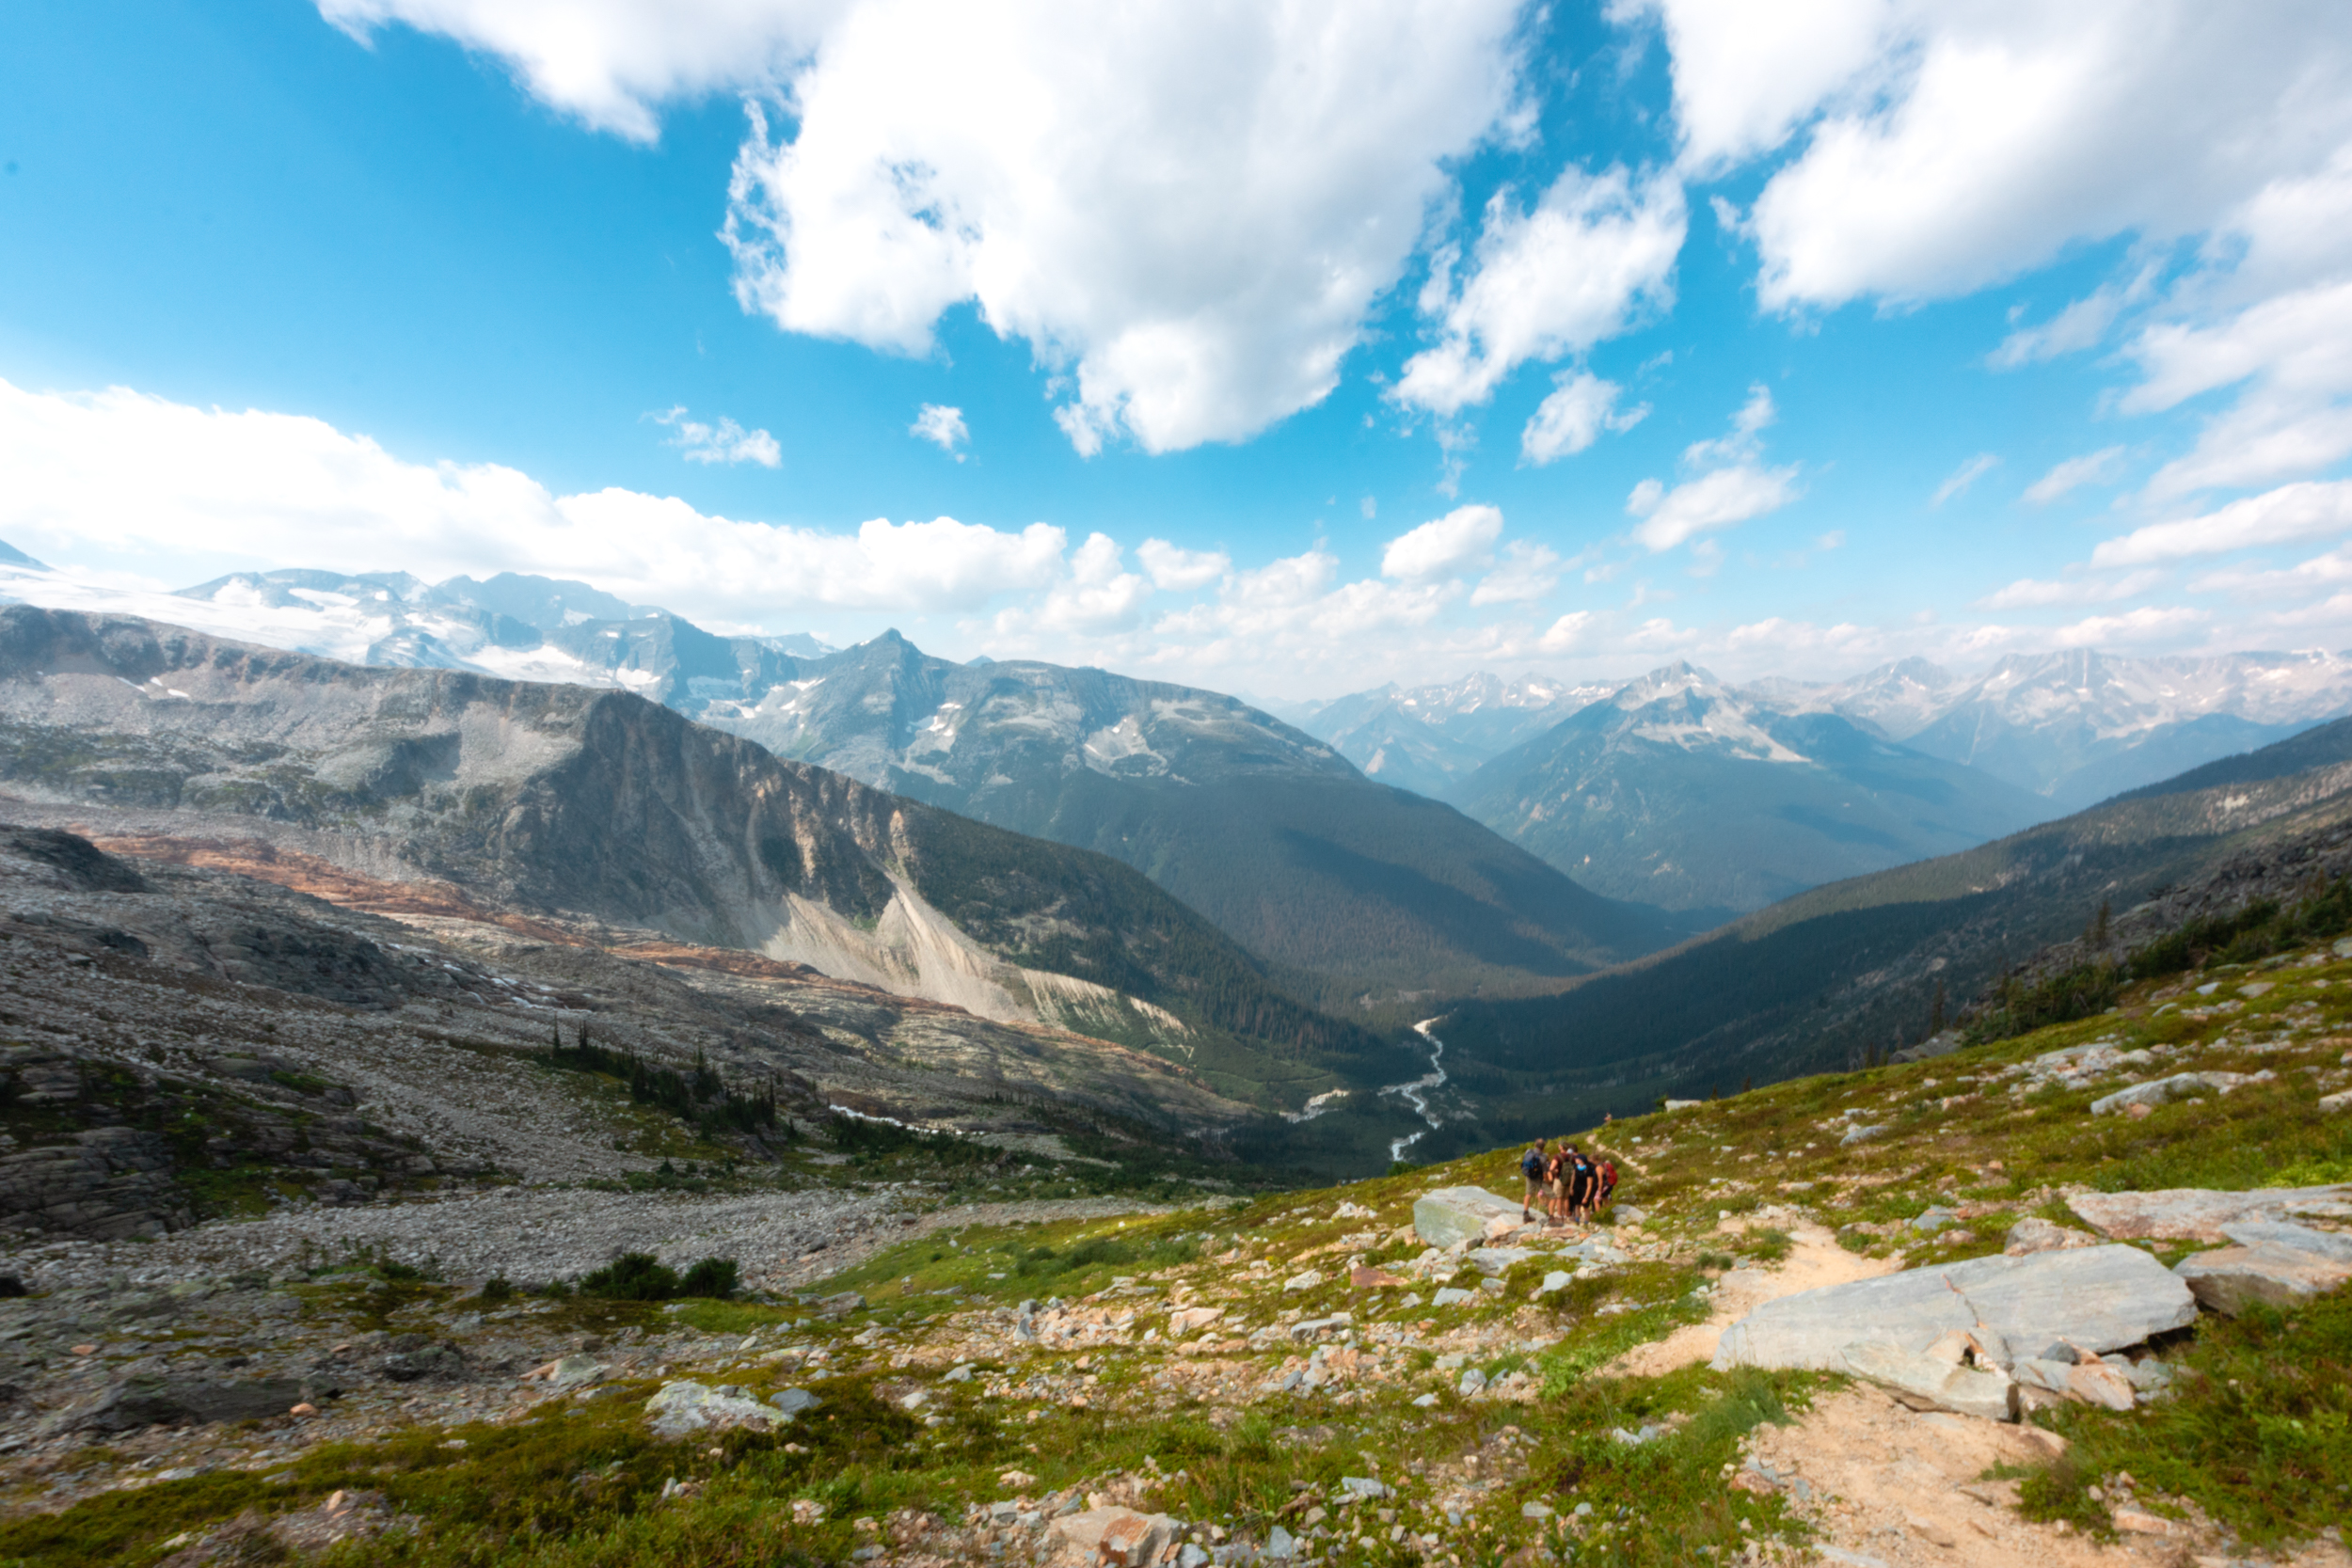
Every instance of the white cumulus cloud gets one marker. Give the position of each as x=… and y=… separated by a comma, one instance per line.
x=140, y=476
x=1578, y=408
x=1465, y=536
x=1191, y=208
x=1596, y=251
x=1180, y=570
x=724, y=442
x=613, y=63
x=942, y=426
x=1730, y=485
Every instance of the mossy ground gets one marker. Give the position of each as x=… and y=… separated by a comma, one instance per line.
x=2256, y=1438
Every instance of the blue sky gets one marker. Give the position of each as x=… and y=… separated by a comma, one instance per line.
x=396, y=283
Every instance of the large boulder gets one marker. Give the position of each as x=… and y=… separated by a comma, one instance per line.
x=685, y=1407
x=2099, y=1298
x=144, y=1401
x=2232, y=1278
x=1453, y=1214
x=2198, y=1213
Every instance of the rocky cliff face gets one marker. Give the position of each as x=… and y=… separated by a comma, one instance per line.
x=598, y=805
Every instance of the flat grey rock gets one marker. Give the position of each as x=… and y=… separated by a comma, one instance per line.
x=2181, y=1085
x=684, y=1407
x=2101, y=1298
x=2332, y=1244
x=1453, y=1214
x=2198, y=1213
x=2232, y=1278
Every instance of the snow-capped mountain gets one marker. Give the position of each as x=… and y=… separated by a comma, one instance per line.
x=1428, y=738
x=2079, y=726
x=514, y=627
x=1682, y=791
x=1265, y=830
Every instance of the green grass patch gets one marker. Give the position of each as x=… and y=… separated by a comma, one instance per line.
x=2258, y=1432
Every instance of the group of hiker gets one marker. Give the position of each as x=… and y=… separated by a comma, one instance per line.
x=1568, y=1185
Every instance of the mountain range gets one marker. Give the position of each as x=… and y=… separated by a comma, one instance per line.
x=1598, y=822
x=1358, y=894
x=1680, y=791
x=2073, y=727
x=603, y=810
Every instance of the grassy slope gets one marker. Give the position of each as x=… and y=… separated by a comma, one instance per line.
x=1816, y=981
x=2263, y=1455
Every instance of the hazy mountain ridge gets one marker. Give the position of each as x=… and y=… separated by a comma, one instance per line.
x=600, y=805
x=1682, y=791
x=2079, y=726
x=1428, y=739
x=2074, y=726
x=1814, y=982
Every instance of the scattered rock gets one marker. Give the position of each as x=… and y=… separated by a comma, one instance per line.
x=1306, y=1281
x=2301, y=1238
x=2039, y=1235
x=1860, y=1133
x=1192, y=1320
x=1498, y=1260
x=792, y=1401
x=1111, y=1535
x=1448, y=1295
x=2085, y=1382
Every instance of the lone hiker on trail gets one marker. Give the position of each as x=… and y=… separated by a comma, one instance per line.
x=1532, y=1168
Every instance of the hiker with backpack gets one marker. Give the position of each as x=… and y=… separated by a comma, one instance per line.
x=1533, y=1167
